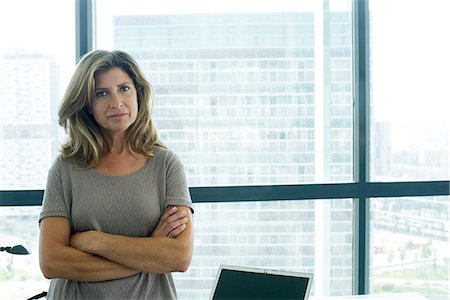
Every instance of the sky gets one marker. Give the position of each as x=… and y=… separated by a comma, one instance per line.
x=29, y=24
x=45, y=26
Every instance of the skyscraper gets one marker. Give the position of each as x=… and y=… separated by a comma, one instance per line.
x=240, y=104
x=28, y=100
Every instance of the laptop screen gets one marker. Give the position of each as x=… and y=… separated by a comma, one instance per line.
x=251, y=283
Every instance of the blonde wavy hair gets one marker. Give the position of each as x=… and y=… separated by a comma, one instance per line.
x=86, y=143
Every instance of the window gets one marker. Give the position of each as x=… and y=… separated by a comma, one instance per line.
x=410, y=124
x=20, y=275
x=308, y=236
x=250, y=140
x=258, y=103
x=35, y=65
x=410, y=132
x=239, y=137
x=410, y=243
x=37, y=56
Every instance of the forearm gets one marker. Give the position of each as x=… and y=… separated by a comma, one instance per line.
x=59, y=259
x=148, y=254
x=168, y=249
x=70, y=263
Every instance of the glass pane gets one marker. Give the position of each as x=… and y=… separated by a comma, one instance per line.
x=410, y=126
x=410, y=246
x=20, y=275
x=307, y=236
x=37, y=54
x=245, y=93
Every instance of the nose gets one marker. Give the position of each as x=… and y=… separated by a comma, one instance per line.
x=115, y=101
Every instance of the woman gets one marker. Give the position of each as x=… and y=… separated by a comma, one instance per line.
x=116, y=218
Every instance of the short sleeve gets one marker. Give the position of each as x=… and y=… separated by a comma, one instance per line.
x=55, y=202
x=177, y=190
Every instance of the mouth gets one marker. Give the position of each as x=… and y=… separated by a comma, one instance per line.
x=117, y=115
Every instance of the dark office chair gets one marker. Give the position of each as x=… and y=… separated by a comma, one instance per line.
x=21, y=250
x=38, y=296
x=18, y=249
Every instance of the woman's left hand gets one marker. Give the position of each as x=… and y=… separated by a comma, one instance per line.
x=171, y=224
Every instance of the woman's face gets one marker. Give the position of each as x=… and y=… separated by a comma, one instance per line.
x=114, y=105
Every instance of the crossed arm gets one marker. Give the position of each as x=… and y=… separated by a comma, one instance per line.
x=98, y=256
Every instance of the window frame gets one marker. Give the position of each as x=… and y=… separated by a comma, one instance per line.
x=361, y=190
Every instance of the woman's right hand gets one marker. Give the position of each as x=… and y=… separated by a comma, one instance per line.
x=171, y=223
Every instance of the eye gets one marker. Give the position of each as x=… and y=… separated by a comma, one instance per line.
x=100, y=93
x=124, y=88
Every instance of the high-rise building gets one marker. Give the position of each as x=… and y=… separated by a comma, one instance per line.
x=28, y=100
x=240, y=105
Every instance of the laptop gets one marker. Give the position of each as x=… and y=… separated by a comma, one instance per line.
x=237, y=282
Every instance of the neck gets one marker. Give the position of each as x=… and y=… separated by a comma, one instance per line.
x=118, y=149
x=117, y=145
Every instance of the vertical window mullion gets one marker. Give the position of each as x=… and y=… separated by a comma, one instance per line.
x=361, y=148
x=84, y=27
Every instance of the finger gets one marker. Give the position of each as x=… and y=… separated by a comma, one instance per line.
x=175, y=224
x=174, y=233
x=168, y=213
x=177, y=216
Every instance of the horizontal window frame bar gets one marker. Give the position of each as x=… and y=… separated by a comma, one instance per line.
x=277, y=192
x=21, y=197
x=319, y=191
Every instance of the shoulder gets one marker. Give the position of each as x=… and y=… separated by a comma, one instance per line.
x=165, y=154
x=57, y=164
x=62, y=165
x=167, y=157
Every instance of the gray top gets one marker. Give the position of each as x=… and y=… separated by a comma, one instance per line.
x=127, y=205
